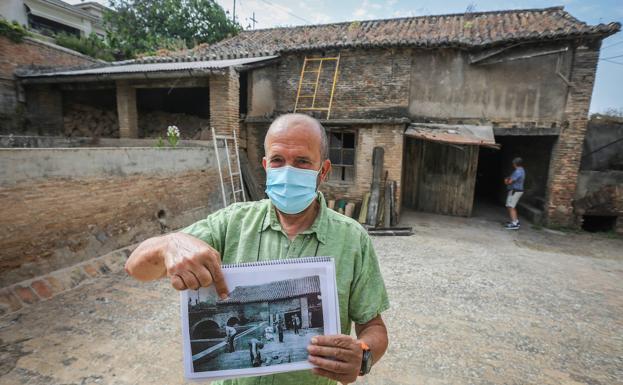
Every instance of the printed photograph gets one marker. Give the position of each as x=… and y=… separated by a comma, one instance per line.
x=258, y=325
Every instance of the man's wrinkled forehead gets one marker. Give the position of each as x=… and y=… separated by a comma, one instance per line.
x=299, y=133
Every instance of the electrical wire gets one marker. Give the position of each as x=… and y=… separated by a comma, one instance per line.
x=283, y=9
x=612, y=45
x=611, y=57
x=613, y=62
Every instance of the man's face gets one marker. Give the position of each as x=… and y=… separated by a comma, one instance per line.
x=296, y=146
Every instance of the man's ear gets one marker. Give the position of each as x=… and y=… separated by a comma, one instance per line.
x=264, y=163
x=324, y=172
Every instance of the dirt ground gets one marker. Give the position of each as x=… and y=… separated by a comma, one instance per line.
x=472, y=303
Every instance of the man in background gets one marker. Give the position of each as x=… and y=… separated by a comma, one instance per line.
x=296, y=321
x=514, y=185
x=230, y=332
x=254, y=351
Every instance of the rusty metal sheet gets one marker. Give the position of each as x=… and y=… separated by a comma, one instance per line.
x=454, y=134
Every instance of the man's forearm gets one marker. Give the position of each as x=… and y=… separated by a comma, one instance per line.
x=146, y=263
x=374, y=334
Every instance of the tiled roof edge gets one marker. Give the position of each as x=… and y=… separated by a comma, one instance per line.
x=504, y=11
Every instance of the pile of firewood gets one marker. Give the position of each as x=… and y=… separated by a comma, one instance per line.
x=83, y=120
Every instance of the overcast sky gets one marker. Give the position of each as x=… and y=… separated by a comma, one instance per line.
x=271, y=13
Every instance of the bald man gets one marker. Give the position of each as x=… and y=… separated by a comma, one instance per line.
x=294, y=222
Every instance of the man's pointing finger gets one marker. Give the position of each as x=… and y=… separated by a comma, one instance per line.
x=218, y=279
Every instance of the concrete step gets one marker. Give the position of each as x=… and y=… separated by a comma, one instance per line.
x=530, y=212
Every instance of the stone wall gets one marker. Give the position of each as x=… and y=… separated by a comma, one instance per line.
x=603, y=145
x=28, y=53
x=66, y=205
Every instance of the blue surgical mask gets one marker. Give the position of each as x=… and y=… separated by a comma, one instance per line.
x=291, y=189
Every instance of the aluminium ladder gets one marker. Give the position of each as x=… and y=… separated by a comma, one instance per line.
x=232, y=174
x=313, y=94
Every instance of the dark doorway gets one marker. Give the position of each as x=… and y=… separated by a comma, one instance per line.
x=495, y=165
x=191, y=101
x=598, y=223
x=206, y=329
x=314, y=303
x=489, y=175
x=288, y=318
x=233, y=321
x=243, y=100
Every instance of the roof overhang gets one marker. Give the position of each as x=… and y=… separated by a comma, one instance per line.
x=48, y=8
x=459, y=134
x=132, y=70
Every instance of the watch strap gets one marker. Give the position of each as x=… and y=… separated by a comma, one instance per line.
x=366, y=359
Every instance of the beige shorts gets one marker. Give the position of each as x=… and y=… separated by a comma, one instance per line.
x=513, y=198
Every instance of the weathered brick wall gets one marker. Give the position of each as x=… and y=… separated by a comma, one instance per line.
x=88, y=202
x=29, y=53
x=254, y=134
x=44, y=110
x=387, y=136
x=428, y=84
x=567, y=153
x=382, y=83
x=370, y=83
x=224, y=102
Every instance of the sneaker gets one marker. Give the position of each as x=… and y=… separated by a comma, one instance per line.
x=512, y=226
x=511, y=223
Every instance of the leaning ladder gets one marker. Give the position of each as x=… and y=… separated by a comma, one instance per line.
x=313, y=94
x=232, y=174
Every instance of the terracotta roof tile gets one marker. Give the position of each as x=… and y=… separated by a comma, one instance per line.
x=289, y=288
x=470, y=30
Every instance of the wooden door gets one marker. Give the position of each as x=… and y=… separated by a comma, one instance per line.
x=439, y=177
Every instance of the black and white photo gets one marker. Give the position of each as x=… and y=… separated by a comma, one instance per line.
x=264, y=325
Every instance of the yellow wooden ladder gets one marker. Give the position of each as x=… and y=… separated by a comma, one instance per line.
x=300, y=105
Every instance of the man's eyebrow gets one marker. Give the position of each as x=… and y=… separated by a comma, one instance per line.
x=302, y=158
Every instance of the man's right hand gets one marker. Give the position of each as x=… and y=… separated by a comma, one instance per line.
x=189, y=262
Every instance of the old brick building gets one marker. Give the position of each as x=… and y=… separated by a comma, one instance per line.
x=413, y=86
x=259, y=303
x=27, y=54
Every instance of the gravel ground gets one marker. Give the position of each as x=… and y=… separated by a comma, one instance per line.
x=471, y=304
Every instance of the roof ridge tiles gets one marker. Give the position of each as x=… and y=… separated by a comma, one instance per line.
x=460, y=30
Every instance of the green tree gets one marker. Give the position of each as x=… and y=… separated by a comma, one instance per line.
x=145, y=26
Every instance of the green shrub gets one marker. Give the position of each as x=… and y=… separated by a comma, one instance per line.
x=92, y=45
x=12, y=30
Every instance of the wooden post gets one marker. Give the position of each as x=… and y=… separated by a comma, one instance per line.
x=394, y=216
x=375, y=193
x=388, y=205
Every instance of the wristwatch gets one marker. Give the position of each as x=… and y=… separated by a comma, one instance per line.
x=366, y=359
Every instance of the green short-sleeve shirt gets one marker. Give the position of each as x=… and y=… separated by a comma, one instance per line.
x=250, y=231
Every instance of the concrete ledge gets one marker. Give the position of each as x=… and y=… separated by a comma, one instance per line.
x=32, y=141
x=25, y=164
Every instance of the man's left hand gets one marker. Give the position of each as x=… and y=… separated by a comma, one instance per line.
x=337, y=357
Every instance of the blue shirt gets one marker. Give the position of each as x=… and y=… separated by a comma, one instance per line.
x=517, y=178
